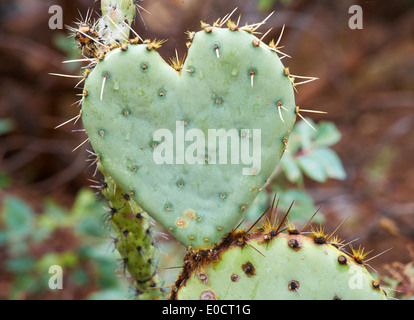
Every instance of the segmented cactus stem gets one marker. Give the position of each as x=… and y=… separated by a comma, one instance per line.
x=133, y=239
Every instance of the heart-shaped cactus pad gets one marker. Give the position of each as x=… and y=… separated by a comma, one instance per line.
x=192, y=147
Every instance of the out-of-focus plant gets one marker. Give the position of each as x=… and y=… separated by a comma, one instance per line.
x=74, y=240
x=266, y=5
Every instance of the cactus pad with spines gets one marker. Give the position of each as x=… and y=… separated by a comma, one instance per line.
x=286, y=267
x=228, y=81
x=117, y=16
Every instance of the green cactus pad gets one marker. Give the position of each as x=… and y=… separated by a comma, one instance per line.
x=288, y=267
x=227, y=82
x=117, y=16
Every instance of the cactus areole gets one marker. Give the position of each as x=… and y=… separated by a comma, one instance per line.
x=231, y=97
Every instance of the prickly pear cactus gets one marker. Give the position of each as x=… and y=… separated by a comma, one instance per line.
x=133, y=239
x=146, y=121
x=268, y=265
x=230, y=82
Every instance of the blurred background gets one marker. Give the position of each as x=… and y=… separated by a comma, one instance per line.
x=48, y=215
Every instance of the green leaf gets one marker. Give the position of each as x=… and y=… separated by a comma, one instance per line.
x=265, y=5
x=313, y=167
x=306, y=133
x=330, y=163
x=110, y=294
x=4, y=237
x=22, y=285
x=5, y=180
x=80, y=277
x=328, y=135
x=18, y=217
x=20, y=265
x=290, y=168
x=6, y=125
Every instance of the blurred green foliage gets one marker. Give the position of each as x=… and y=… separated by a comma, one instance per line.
x=6, y=125
x=309, y=153
x=266, y=5
x=87, y=260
